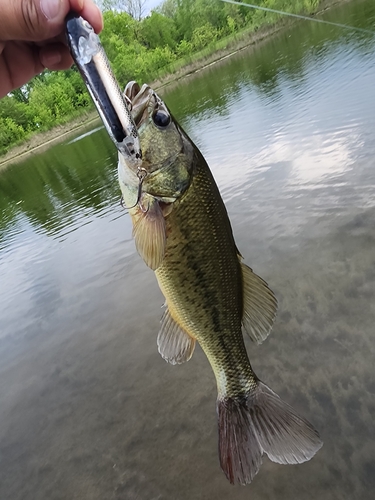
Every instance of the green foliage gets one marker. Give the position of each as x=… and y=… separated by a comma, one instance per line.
x=138, y=50
x=10, y=133
x=17, y=111
x=20, y=95
x=168, y=8
x=51, y=101
x=120, y=24
x=203, y=36
x=231, y=24
x=158, y=31
x=184, y=48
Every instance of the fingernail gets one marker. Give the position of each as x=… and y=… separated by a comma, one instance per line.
x=50, y=8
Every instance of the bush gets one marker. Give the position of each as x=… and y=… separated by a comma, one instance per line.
x=203, y=36
x=10, y=133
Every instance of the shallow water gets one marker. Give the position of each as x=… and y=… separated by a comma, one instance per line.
x=89, y=410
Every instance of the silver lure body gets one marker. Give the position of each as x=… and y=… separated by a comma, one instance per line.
x=92, y=62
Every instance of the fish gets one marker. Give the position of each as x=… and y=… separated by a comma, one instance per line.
x=92, y=62
x=182, y=231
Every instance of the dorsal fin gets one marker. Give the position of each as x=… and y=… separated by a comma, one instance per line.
x=174, y=344
x=259, y=306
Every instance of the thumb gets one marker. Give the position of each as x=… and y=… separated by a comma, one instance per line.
x=34, y=20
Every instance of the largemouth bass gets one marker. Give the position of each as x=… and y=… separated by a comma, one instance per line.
x=182, y=231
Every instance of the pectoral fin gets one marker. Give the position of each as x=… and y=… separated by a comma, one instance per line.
x=149, y=232
x=174, y=344
x=259, y=306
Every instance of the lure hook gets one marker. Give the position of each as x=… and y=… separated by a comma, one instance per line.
x=141, y=174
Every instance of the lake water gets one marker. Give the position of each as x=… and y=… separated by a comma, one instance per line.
x=88, y=409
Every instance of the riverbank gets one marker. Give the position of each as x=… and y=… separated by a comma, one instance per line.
x=224, y=48
x=39, y=142
x=230, y=46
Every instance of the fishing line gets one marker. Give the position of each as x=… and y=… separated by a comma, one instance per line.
x=299, y=16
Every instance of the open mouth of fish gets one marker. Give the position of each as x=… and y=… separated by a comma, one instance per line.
x=144, y=103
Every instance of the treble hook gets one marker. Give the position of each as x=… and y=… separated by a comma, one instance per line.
x=141, y=174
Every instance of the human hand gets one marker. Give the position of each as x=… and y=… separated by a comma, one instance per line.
x=32, y=37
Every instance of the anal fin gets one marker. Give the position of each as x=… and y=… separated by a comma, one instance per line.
x=174, y=344
x=259, y=306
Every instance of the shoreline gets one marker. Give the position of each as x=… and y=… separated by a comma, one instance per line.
x=43, y=140
x=243, y=40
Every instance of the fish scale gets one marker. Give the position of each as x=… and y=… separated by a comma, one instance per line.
x=208, y=303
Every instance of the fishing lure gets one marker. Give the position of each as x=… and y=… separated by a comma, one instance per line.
x=93, y=64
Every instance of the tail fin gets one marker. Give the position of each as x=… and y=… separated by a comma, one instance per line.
x=261, y=423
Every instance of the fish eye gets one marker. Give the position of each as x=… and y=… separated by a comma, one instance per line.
x=161, y=118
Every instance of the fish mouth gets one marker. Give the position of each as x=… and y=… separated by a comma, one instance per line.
x=144, y=101
x=140, y=99
x=132, y=90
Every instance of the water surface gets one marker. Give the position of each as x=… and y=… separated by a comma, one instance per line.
x=89, y=410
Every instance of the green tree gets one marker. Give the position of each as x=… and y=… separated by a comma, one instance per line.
x=203, y=36
x=17, y=111
x=10, y=133
x=157, y=30
x=168, y=8
x=135, y=8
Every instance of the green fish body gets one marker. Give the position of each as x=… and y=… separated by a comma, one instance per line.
x=182, y=231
